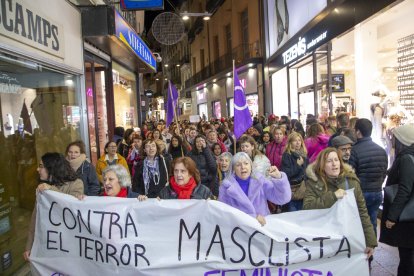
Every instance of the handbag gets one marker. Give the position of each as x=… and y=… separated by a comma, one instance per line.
x=407, y=214
x=298, y=190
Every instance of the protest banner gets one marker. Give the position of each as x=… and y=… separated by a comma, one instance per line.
x=116, y=236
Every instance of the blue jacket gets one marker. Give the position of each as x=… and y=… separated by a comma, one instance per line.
x=370, y=162
x=261, y=189
x=87, y=173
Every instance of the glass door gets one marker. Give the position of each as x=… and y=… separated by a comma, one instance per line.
x=96, y=77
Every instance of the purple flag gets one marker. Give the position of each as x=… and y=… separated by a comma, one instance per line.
x=242, y=119
x=172, y=100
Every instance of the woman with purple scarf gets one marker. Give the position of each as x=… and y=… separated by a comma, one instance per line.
x=249, y=192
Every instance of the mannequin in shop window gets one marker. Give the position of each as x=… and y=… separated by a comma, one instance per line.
x=377, y=113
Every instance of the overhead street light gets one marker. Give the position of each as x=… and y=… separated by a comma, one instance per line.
x=186, y=15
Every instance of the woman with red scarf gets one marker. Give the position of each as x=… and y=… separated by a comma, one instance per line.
x=117, y=182
x=185, y=183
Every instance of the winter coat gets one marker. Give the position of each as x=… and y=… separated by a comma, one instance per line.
x=207, y=166
x=316, y=197
x=74, y=188
x=316, y=145
x=295, y=173
x=370, y=162
x=275, y=151
x=102, y=164
x=123, y=148
x=401, y=173
x=199, y=192
x=261, y=190
x=261, y=164
x=87, y=173
x=154, y=189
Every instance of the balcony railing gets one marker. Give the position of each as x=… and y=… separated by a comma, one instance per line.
x=240, y=54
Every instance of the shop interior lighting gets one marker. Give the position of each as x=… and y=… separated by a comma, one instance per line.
x=186, y=15
x=166, y=65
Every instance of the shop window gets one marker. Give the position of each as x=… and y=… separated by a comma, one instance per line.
x=125, y=97
x=40, y=112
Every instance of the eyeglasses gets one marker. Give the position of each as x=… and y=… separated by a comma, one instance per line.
x=112, y=147
x=346, y=149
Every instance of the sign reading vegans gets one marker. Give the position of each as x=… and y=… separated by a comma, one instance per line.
x=112, y=236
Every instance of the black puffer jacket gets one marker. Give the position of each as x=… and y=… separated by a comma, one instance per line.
x=370, y=162
x=199, y=192
x=207, y=166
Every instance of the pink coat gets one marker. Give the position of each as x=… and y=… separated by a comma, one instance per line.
x=316, y=145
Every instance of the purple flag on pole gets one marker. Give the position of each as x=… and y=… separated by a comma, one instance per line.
x=242, y=118
x=172, y=100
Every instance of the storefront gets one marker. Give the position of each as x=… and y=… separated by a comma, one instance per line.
x=215, y=97
x=41, y=107
x=115, y=56
x=343, y=59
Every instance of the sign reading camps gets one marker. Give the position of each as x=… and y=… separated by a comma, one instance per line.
x=111, y=236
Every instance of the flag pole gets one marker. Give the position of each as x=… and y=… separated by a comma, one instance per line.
x=235, y=140
x=175, y=114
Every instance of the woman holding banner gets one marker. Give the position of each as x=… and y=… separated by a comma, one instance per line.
x=249, y=191
x=117, y=182
x=151, y=175
x=55, y=174
x=186, y=182
x=328, y=180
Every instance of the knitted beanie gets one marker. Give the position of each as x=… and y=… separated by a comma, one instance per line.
x=405, y=134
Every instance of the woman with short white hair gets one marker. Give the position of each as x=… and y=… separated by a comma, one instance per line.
x=249, y=192
x=117, y=182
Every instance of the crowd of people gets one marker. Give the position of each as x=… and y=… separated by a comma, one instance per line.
x=276, y=166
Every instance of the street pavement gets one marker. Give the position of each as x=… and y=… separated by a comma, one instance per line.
x=386, y=259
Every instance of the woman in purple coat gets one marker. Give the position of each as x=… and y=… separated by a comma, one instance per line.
x=250, y=192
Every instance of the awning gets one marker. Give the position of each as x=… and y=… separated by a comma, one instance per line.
x=104, y=27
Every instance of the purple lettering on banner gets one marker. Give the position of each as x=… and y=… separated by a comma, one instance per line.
x=212, y=272
x=268, y=272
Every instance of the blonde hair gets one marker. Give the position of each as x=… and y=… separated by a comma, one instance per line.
x=290, y=140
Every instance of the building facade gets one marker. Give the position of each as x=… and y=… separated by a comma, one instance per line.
x=233, y=33
x=41, y=107
x=344, y=56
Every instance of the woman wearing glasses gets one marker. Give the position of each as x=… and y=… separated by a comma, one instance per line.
x=55, y=174
x=111, y=157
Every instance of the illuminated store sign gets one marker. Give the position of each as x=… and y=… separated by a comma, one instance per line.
x=300, y=48
x=131, y=39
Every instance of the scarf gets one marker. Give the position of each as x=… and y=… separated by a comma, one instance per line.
x=244, y=184
x=122, y=193
x=77, y=162
x=183, y=191
x=151, y=172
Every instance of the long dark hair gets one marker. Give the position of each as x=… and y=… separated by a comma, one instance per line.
x=59, y=168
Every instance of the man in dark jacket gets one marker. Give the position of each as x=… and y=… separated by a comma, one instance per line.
x=370, y=162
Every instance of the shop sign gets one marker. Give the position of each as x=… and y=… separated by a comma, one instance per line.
x=131, y=39
x=9, y=84
x=300, y=48
x=28, y=25
x=142, y=4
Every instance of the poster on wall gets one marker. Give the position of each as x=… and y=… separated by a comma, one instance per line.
x=253, y=104
x=286, y=18
x=217, y=110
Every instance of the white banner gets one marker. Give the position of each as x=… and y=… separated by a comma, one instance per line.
x=112, y=236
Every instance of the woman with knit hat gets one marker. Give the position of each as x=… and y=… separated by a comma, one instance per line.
x=394, y=233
